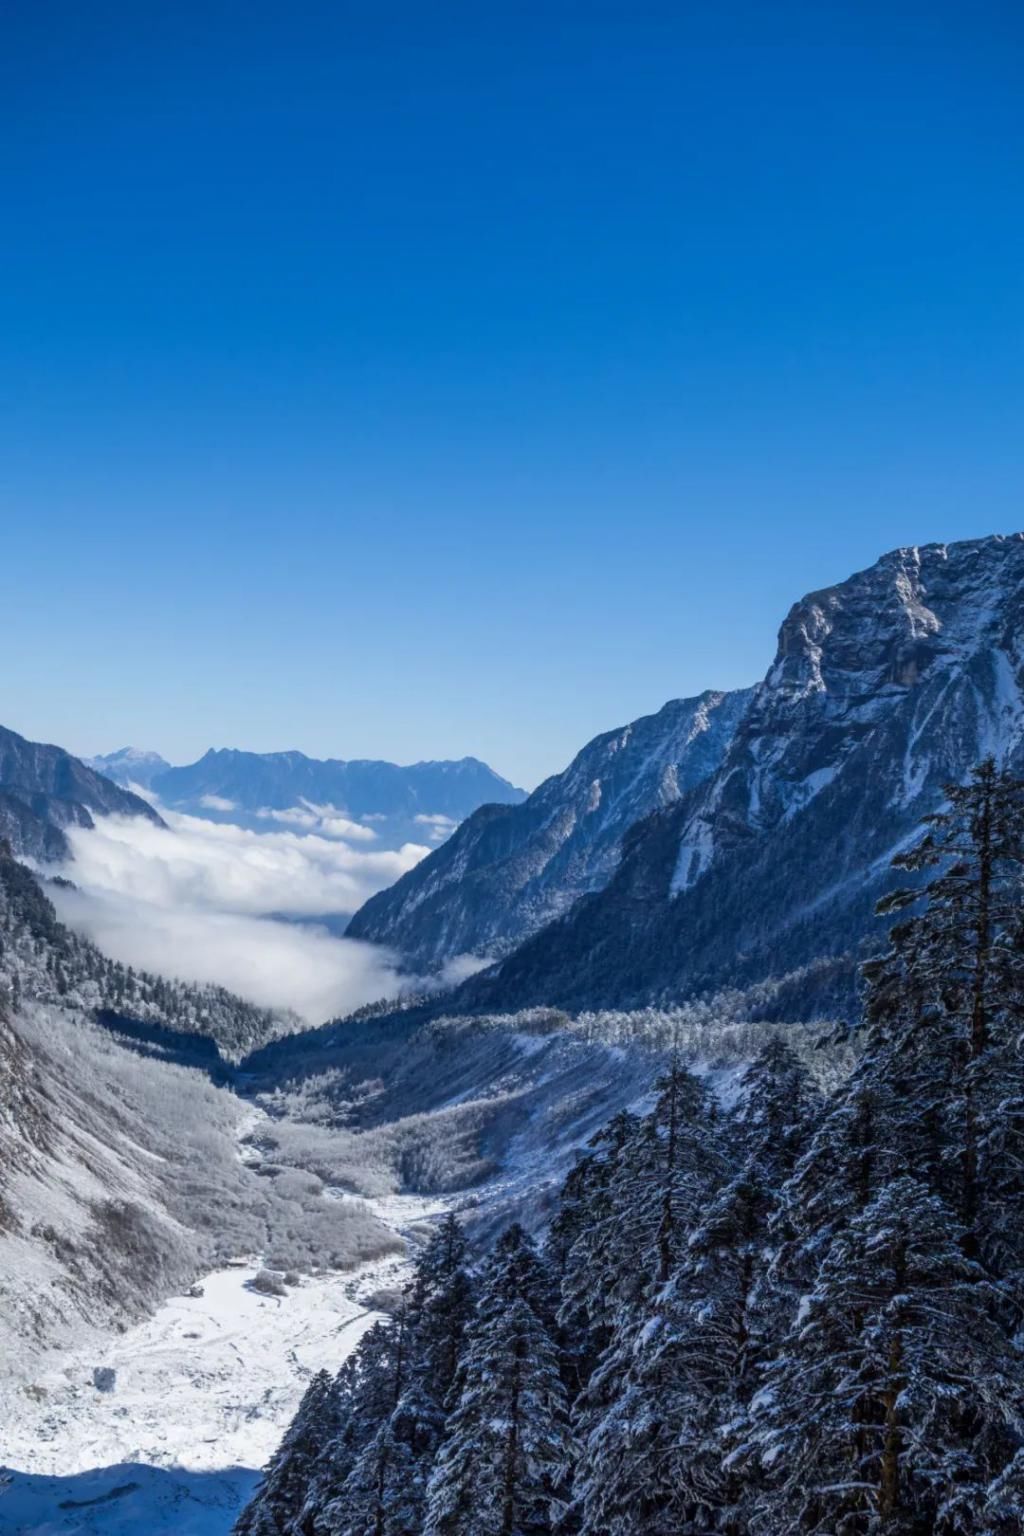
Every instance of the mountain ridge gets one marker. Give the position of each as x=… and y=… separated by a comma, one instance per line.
x=884, y=688
x=366, y=786
x=44, y=789
x=508, y=870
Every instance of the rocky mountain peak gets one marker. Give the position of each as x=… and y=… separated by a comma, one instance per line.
x=884, y=689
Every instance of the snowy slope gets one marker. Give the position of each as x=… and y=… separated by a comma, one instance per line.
x=202, y=1393
x=509, y=869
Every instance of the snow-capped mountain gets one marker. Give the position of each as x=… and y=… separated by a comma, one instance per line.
x=510, y=869
x=884, y=688
x=43, y=789
x=130, y=766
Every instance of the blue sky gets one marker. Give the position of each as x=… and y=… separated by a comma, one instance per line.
x=412, y=381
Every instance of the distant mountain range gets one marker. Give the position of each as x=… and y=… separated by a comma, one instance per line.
x=884, y=688
x=43, y=790
x=419, y=803
x=279, y=780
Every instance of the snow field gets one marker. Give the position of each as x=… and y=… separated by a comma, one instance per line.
x=203, y=1391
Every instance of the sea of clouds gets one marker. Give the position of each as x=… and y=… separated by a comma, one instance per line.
x=211, y=901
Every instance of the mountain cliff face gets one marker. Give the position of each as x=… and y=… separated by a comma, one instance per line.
x=884, y=689
x=44, y=789
x=508, y=870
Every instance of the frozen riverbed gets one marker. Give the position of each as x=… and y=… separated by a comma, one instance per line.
x=201, y=1394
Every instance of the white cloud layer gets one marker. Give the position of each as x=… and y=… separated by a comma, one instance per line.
x=272, y=963
x=327, y=820
x=197, y=899
x=440, y=827
x=218, y=866
x=211, y=802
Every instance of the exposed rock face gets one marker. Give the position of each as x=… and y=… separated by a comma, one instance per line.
x=884, y=689
x=43, y=789
x=508, y=870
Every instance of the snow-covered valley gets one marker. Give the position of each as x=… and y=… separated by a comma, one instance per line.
x=147, y=1182
x=199, y=1397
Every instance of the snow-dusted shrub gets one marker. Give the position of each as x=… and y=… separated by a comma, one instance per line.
x=268, y=1283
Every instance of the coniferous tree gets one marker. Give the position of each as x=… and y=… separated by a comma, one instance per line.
x=366, y=1504
x=337, y=1455
x=628, y=1412
x=1004, y=1502
x=890, y=1406
x=286, y=1478
x=374, y=1377
x=949, y=996
x=776, y=1108
x=582, y=1249
x=654, y=1461
x=442, y=1306
x=384, y=1492
x=502, y=1467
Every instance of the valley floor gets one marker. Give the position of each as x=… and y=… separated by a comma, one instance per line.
x=201, y=1395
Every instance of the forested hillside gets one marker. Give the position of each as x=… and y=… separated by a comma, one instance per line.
x=791, y=1314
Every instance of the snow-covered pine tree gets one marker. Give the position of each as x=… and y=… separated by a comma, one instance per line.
x=384, y=1492
x=940, y=1072
x=622, y=1417
x=280, y=1495
x=949, y=996
x=578, y=1247
x=892, y=1403
x=339, y=1449
x=776, y=1109
x=1004, y=1502
x=373, y=1375
x=663, y=1167
x=685, y=1368
x=442, y=1306
x=851, y=1154
x=503, y=1465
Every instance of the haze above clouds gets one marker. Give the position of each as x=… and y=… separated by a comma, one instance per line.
x=210, y=901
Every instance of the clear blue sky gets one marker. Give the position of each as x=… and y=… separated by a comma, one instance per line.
x=417, y=380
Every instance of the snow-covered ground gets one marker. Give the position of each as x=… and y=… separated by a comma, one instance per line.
x=202, y=1392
